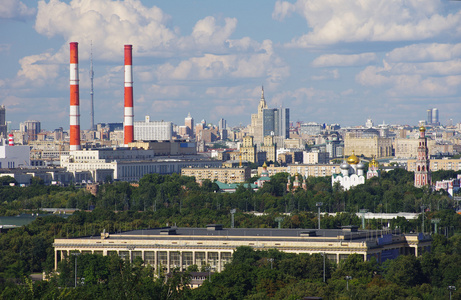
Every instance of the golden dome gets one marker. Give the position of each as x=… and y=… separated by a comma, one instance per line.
x=353, y=160
x=373, y=163
x=264, y=165
x=422, y=128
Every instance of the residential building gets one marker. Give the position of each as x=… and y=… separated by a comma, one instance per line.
x=270, y=147
x=248, y=149
x=436, y=164
x=32, y=128
x=315, y=157
x=225, y=175
x=316, y=170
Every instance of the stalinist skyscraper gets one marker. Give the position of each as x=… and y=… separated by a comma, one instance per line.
x=257, y=120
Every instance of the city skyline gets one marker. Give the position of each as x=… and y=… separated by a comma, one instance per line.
x=328, y=62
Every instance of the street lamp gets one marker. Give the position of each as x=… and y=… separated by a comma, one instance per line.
x=318, y=204
x=130, y=250
x=271, y=260
x=208, y=268
x=232, y=211
x=451, y=288
x=75, y=254
x=422, y=209
x=323, y=254
x=347, y=281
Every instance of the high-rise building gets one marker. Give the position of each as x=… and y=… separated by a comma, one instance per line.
x=32, y=128
x=3, y=125
x=429, y=116
x=435, y=116
x=276, y=121
x=222, y=124
x=422, y=172
x=189, y=123
x=269, y=121
x=256, y=129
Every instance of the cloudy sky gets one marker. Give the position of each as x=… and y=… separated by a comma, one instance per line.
x=329, y=61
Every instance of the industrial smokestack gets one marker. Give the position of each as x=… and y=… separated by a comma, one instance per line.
x=128, y=114
x=10, y=140
x=74, y=99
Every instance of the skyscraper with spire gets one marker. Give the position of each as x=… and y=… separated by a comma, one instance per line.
x=256, y=129
x=269, y=122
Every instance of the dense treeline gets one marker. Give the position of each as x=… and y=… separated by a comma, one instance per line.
x=393, y=192
x=162, y=200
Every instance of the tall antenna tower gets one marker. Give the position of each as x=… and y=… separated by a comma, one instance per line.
x=91, y=91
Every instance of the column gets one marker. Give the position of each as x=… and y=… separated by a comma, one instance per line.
x=156, y=260
x=219, y=260
x=55, y=259
x=168, y=261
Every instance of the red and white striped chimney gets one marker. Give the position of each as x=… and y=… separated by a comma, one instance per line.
x=74, y=99
x=10, y=140
x=128, y=114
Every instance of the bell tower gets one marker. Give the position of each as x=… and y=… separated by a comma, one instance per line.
x=422, y=171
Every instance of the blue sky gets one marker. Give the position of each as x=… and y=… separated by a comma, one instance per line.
x=329, y=61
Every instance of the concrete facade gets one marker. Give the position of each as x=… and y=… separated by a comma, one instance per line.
x=169, y=248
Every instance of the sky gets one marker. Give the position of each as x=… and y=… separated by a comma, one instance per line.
x=329, y=61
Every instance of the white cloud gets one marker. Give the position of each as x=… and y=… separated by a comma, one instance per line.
x=337, y=60
x=36, y=70
x=261, y=62
x=438, y=79
x=209, y=52
x=327, y=74
x=334, y=21
x=109, y=24
x=425, y=52
x=15, y=9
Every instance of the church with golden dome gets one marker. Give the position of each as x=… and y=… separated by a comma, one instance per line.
x=373, y=169
x=352, y=173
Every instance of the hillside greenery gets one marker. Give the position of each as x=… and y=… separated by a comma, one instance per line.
x=162, y=200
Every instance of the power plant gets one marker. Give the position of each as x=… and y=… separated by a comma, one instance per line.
x=127, y=163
